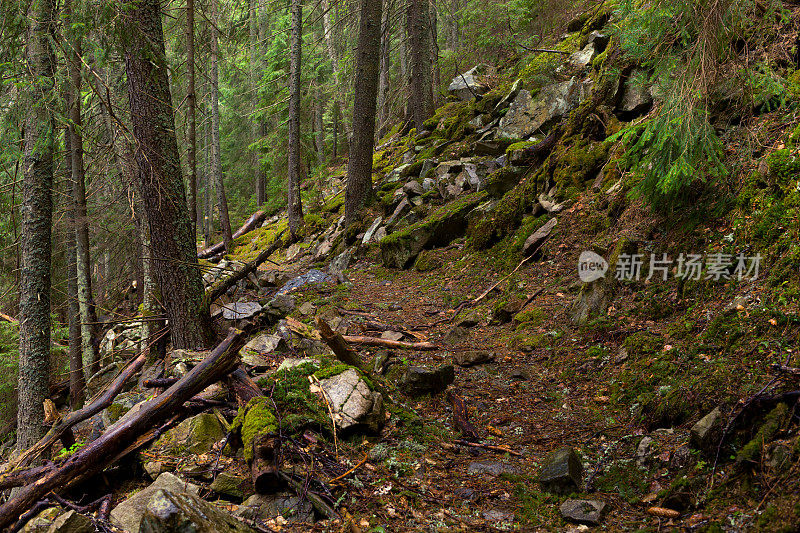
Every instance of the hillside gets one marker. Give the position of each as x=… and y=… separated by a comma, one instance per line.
x=563, y=342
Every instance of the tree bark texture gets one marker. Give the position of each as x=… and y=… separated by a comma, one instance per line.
x=421, y=84
x=37, y=212
x=159, y=178
x=191, y=104
x=294, y=203
x=216, y=149
x=359, y=167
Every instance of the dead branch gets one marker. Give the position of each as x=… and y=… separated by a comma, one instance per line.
x=130, y=434
x=376, y=341
x=159, y=383
x=219, y=288
x=461, y=416
x=340, y=477
x=65, y=424
x=250, y=224
x=243, y=386
x=339, y=345
x=317, y=502
x=492, y=447
x=9, y=318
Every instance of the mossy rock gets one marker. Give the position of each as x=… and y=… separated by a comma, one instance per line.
x=532, y=317
x=447, y=223
x=751, y=452
x=427, y=262
x=254, y=419
x=196, y=435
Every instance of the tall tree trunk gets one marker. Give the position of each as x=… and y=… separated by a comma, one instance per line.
x=319, y=121
x=76, y=379
x=191, y=102
x=294, y=204
x=383, y=79
x=91, y=363
x=436, y=82
x=419, y=36
x=37, y=213
x=209, y=186
x=255, y=62
x=329, y=31
x=216, y=150
x=359, y=167
x=159, y=178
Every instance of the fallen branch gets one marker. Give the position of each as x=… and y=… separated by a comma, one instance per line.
x=317, y=502
x=783, y=369
x=254, y=221
x=376, y=341
x=339, y=478
x=65, y=424
x=461, y=416
x=339, y=345
x=159, y=383
x=492, y=447
x=9, y=318
x=243, y=386
x=127, y=436
x=220, y=287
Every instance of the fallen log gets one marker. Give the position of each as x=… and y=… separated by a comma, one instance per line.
x=252, y=223
x=65, y=424
x=339, y=345
x=220, y=287
x=243, y=387
x=127, y=436
x=376, y=341
x=461, y=416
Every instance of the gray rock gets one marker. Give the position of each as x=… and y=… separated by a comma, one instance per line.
x=392, y=335
x=371, y=230
x=637, y=97
x=456, y=335
x=589, y=512
x=703, y=431
x=491, y=468
x=71, y=522
x=561, y=471
x=494, y=515
x=264, y=507
x=583, y=58
x=599, y=40
x=340, y=263
x=534, y=242
x=465, y=86
x=418, y=380
x=352, y=401
x=122, y=404
x=644, y=450
x=240, y=310
x=258, y=347
x=128, y=514
x=472, y=357
x=280, y=306
x=469, y=319
x=291, y=362
x=42, y=521
x=413, y=188
x=381, y=360
x=170, y=511
x=307, y=308
x=549, y=205
x=398, y=212
x=312, y=276
x=508, y=98
x=232, y=485
x=527, y=116
x=194, y=435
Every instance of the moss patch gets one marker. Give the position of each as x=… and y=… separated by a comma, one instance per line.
x=254, y=419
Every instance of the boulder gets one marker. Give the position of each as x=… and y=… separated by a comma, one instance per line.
x=561, y=472
x=418, y=380
x=372, y=229
x=637, y=96
x=232, y=485
x=71, y=522
x=582, y=58
x=703, y=431
x=194, y=435
x=171, y=511
x=312, y=276
x=534, y=242
x=263, y=507
x=280, y=306
x=589, y=512
x=122, y=404
x=128, y=514
x=472, y=357
x=527, y=116
x=240, y=310
x=469, y=84
x=413, y=188
x=352, y=401
x=42, y=521
x=508, y=98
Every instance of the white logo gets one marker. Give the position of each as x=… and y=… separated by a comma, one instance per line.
x=591, y=267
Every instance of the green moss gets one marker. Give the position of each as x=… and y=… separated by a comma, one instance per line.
x=331, y=371
x=579, y=160
x=643, y=343
x=751, y=451
x=538, y=71
x=624, y=477
x=426, y=262
x=532, y=317
x=334, y=203
x=519, y=146
x=249, y=245
x=254, y=419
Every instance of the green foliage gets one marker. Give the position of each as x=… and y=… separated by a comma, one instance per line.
x=9, y=355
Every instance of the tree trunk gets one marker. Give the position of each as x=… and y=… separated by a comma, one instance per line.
x=329, y=30
x=88, y=315
x=37, y=213
x=255, y=124
x=319, y=122
x=191, y=103
x=359, y=168
x=383, y=79
x=436, y=82
x=76, y=379
x=216, y=151
x=209, y=187
x=294, y=204
x=419, y=36
x=159, y=178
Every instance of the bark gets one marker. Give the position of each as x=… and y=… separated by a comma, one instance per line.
x=436, y=82
x=359, y=167
x=383, y=79
x=159, y=178
x=37, y=212
x=129, y=435
x=209, y=188
x=255, y=124
x=294, y=204
x=76, y=380
x=216, y=150
x=329, y=30
x=191, y=103
x=419, y=36
x=88, y=314
x=319, y=122
x=339, y=345
x=376, y=341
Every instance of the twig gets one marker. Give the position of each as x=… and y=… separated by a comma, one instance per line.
x=376, y=341
x=337, y=478
x=492, y=447
x=315, y=500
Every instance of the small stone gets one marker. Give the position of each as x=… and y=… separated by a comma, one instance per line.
x=381, y=359
x=413, y=188
x=534, y=242
x=561, y=471
x=370, y=233
x=456, y=335
x=494, y=515
x=392, y=335
x=263, y=507
x=644, y=450
x=231, y=485
x=280, y=306
x=352, y=401
x=472, y=357
x=491, y=468
x=589, y=512
x=291, y=362
x=703, y=430
x=306, y=309
x=419, y=380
